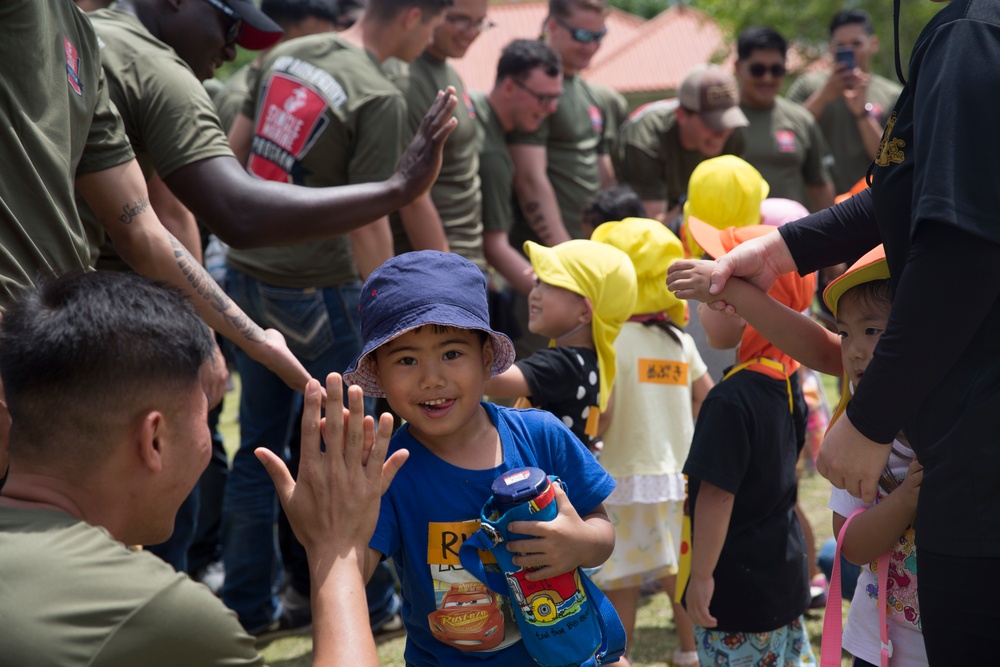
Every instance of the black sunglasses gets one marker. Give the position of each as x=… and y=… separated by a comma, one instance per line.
x=758, y=70
x=583, y=35
x=542, y=98
x=235, y=27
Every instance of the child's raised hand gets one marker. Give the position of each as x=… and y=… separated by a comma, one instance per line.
x=691, y=278
x=697, y=600
x=560, y=545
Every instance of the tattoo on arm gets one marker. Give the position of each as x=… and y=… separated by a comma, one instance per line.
x=536, y=220
x=207, y=289
x=131, y=211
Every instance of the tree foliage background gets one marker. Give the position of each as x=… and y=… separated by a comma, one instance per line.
x=806, y=22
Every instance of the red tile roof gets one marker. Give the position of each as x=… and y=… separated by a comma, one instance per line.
x=661, y=53
x=523, y=20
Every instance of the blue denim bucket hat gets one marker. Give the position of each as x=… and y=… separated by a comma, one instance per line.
x=418, y=288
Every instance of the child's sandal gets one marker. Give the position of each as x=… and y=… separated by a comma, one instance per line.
x=684, y=659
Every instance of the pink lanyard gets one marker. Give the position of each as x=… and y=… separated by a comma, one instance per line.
x=833, y=621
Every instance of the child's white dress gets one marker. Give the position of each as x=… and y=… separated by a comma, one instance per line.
x=861, y=634
x=644, y=450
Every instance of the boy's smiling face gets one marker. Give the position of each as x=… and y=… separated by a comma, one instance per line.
x=433, y=378
x=860, y=323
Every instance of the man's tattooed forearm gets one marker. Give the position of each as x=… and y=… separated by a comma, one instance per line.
x=247, y=327
x=130, y=211
x=202, y=283
x=536, y=221
x=209, y=290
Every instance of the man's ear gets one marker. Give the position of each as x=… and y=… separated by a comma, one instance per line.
x=681, y=116
x=489, y=354
x=149, y=440
x=411, y=17
x=873, y=41
x=588, y=314
x=547, y=26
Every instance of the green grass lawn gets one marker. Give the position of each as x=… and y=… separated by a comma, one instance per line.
x=654, y=640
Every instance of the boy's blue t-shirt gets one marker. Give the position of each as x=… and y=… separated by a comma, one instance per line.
x=432, y=507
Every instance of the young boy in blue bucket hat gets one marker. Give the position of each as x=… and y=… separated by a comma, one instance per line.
x=429, y=349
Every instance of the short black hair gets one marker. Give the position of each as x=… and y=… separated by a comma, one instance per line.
x=386, y=10
x=348, y=12
x=523, y=55
x=852, y=17
x=614, y=204
x=287, y=13
x=760, y=38
x=874, y=293
x=84, y=352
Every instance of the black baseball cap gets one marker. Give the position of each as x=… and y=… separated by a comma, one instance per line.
x=258, y=32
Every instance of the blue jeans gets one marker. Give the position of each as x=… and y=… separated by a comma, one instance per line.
x=849, y=572
x=175, y=550
x=322, y=329
x=207, y=545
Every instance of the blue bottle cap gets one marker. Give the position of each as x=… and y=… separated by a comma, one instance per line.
x=518, y=486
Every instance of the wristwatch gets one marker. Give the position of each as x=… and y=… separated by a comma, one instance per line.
x=867, y=111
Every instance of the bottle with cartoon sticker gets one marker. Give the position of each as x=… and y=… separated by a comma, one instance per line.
x=557, y=607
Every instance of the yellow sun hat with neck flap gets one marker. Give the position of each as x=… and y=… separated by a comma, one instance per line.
x=603, y=275
x=724, y=191
x=652, y=248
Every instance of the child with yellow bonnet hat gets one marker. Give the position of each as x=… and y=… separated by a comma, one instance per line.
x=724, y=191
x=660, y=384
x=584, y=291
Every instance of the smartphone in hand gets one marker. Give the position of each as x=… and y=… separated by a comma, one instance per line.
x=845, y=55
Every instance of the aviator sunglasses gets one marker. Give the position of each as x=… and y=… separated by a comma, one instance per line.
x=583, y=35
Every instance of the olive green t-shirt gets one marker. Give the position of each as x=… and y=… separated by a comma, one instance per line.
x=649, y=156
x=324, y=114
x=214, y=89
x=496, y=169
x=56, y=123
x=615, y=109
x=840, y=127
x=229, y=101
x=573, y=137
x=169, y=117
x=75, y=597
x=456, y=192
x=786, y=146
